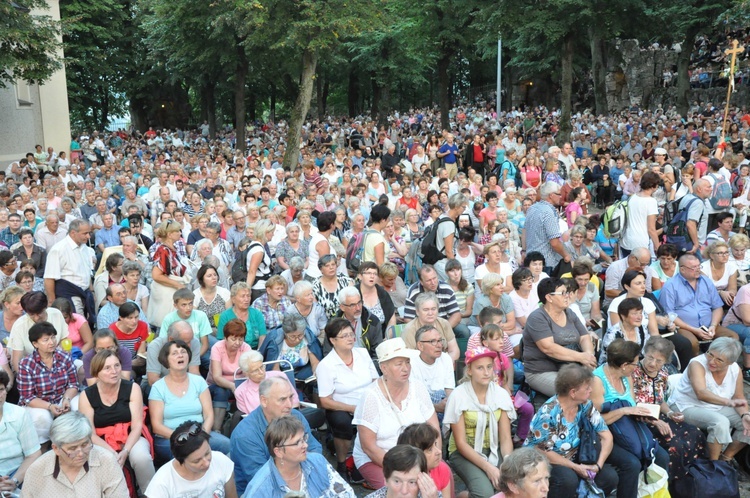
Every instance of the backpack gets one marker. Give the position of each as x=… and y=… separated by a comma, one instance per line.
x=737, y=183
x=708, y=478
x=429, y=251
x=631, y=434
x=615, y=219
x=355, y=251
x=239, y=267
x=721, y=196
x=676, y=228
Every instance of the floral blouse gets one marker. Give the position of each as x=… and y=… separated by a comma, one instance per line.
x=284, y=250
x=329, y=300
x=647, y=389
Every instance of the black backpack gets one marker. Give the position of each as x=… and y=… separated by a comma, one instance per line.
x=239, y=268
x=430, y=254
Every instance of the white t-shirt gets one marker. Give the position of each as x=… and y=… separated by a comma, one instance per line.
x=313, y=256
x=437, y=376
x=375, y=412
x=505, y=271
x=639, y=209
x=648, y=308
x=167, y=483
x=344, y=384
x=729, y=269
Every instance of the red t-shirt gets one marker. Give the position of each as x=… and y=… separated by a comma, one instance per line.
x=132, y=341
x=411, y=203
x=441, y=475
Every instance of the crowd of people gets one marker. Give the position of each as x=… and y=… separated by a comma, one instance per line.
x=401, y=286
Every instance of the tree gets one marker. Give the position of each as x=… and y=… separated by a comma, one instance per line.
x=29, y=43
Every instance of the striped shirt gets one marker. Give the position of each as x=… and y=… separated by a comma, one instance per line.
x=542, y=223
x=445, y=294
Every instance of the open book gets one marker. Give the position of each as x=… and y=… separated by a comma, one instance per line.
x=653, y=409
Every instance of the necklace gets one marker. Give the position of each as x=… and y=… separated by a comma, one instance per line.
x=350, y=363
x=292, y=479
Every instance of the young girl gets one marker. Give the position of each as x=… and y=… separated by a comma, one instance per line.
x=493, y=338
x=574, y=209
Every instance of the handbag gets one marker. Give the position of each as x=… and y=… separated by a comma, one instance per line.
x=160, y=303
x=708, y=478
x=588, y=452
x=587, y=488
x=654, y=483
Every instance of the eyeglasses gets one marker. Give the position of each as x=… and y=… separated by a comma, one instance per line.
x=301, y=441
x=83, y=449
x=722, y=253
x=295, y=337
x=651, y=359
x=563, y=293
x=695, y=268
x=435, y=342
x=718, y=360
x=184, y=437
x=370, y=274
x=345, y=336
x=354, y=305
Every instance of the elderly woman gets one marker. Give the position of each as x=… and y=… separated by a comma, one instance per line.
x=684, y=442
x=253, y=319
x=575, y=247
x=405, y=470
x=75, y=466
x=479, y=413
x=374, y=297
x=665, y=266
x=136, y=291
x=29, y=250
x=180, y=396
x=225, y=355
x=209, y=297
x=113, y=274
x=496, y=261
x=611, y=384
x=114, y=407
x=710, y=395
x=295, y=273
x=168, y=272
x=388, y=406
x=195, y=468
x=328, y=285
x=20, y=442
x=524, y=474
x=292, y=468
x=292, y=246
x=306, y=306
x=246, y=395
x=738, y=246
x=10, y=299
x=46, y=380
x=555, y=431
x=343, y=376
x=296, y=347
x=220, y=247
x=493, y=294
x=393, y=284
x=552, y=337
x=720, y=271
x=426, y=305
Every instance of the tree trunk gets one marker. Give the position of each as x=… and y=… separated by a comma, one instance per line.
x=252, y=105
x=598, y=72
x=324, y=100
x=319, y=97
x=444, y=89
x=240, y=75
x=353, y=92
x=683, y=78
x=376, y=90
x=273, y=102
x=566, y=90
x=210, y=103
x=104, y=119
x=301, y=106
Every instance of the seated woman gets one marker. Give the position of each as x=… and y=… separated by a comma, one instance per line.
x=710, y=395
x=393, y=284
x=297, y=346
x=463, y=291
x=426, y=438
x=611, y=383
x=523, y=303
x=75, y=459
x=79, y=331
x=684, y=442
x=180, y=396
x=225, y=357
x=555, y=431
x=405, y=474
x=524, y=474
x=20, y=442
x=552, y=337
x=629, y=326
x=721, y=271
x=246, y=395
x=389, y=405
x=132, y=332
x=209, y=297
x=46, y=380
x=195, y=468
x=35, y=306
x=479, y=412
x=256, y=327
x=114, y=407
x=343, y=375
x=106, y=339
x=112, y=275
x=292, y=468
x=665, y=266
x=135, y=290
x=587, y=295
x=634, y=283
x=494, y=295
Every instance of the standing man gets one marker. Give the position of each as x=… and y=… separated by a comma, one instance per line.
x=697, y=223
x=545, y=235
x=448, y=152
x=70, y=263
x=446, y=240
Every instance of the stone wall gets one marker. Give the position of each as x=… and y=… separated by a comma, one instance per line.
x=635, y=74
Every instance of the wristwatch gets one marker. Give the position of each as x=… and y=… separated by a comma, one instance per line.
x=15, y=481
x=743, y=415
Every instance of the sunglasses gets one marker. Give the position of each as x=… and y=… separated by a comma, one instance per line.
x=184, y=437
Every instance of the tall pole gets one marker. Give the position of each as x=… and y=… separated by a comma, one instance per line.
x=499, y=72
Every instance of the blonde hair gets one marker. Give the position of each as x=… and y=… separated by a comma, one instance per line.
x=489, y=281
x=708, y=251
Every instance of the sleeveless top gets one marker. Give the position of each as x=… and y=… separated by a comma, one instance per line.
x=610, y=394
x=107, y=416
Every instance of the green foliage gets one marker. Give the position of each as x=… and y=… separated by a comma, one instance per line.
x=28, y=43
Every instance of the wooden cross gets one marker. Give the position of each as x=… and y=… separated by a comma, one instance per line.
x=736, y=49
